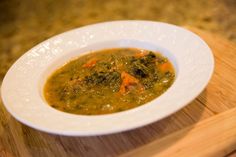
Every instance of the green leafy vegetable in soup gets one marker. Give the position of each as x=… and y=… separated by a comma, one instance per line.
x=108, y=81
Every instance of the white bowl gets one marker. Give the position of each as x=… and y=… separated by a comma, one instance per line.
x=22, y=86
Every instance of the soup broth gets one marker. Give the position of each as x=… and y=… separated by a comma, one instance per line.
x=108, y=81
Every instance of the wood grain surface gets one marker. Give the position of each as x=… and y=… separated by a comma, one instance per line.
x=206, y=127
x=204, y=139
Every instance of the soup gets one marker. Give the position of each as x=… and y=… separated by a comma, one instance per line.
x=108, y=81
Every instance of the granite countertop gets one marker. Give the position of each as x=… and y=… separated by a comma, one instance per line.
x=23, y=24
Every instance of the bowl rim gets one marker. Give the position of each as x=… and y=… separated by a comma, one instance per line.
x=117, y=30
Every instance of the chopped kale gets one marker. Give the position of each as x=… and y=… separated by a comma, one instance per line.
x=144, y=68
x=103, y=78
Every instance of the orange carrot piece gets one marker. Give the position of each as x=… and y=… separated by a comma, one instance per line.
x=122, y=89
x=127, y=80
x=165, y=66
x=90, y=63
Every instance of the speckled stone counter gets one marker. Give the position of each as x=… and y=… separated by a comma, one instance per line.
x=25, y=23
x=211, y=116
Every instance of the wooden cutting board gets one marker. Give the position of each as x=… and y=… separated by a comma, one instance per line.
x=206, y=127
